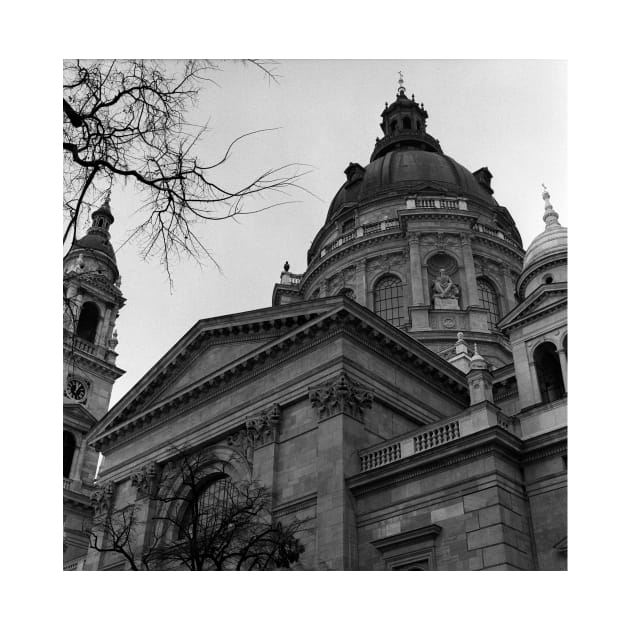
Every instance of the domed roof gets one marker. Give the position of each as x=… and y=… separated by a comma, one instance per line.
x=98, y=237
x=554, y=239
x=407, y=168
x=96, y=242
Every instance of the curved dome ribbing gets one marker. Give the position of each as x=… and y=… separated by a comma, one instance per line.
x=415, y=169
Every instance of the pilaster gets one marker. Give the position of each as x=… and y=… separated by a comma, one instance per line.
x=415, y=270
x=469, y=271
x=339, y=404
x=361, y=292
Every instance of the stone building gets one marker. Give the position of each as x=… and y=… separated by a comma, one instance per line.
x=408, y=390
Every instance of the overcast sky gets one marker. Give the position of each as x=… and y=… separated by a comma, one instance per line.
x=507, y=115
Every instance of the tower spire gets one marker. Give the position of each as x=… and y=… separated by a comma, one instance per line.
x=401, y=84
x=551, y=216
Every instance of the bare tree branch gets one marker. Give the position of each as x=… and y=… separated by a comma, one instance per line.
x=128, y=120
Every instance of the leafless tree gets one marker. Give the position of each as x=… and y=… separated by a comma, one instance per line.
x=201, y=522
x=127, y=119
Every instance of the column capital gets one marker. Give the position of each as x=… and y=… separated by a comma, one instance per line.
x=341, y=395
x=414, y=238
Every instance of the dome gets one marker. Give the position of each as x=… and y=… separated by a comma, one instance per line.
x=96, y=242
x=409, y=168
x=553, y=240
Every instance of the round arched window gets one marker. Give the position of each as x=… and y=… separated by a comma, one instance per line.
x=549, y=372
x=388, y=300
x=210, y=508
x=88, y=322
x=489, y=300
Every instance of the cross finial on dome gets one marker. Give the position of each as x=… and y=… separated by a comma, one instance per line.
x=551, y=216
x=401, y=84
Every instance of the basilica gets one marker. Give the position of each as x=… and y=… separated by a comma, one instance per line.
x=404, y=397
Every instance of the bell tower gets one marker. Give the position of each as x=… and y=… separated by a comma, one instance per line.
x=92, y=300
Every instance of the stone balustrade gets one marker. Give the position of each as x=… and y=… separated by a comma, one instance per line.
x=485, y=229
x=420, y=442
x=362, y=230
x=436, y=435
x=291, y=278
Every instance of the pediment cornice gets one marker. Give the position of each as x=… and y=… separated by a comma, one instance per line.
x=347, y=317
x=543, y=301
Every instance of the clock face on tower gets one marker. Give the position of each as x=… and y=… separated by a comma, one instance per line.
x=76, y=389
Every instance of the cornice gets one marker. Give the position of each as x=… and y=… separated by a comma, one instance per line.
x=236, y=374
x=521, y=314
x=340, y=252
x=549, y=261
x=191, y=344
x=496, y=243
x=94, y=363
x=545, y=445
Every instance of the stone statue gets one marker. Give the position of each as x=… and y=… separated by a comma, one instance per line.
x=444, y=287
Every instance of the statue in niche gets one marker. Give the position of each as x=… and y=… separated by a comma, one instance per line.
x=444, y=287
x=445, y=292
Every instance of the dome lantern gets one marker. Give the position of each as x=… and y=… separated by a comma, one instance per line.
x=404, y=124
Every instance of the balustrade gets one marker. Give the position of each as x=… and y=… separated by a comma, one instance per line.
x=428, y=439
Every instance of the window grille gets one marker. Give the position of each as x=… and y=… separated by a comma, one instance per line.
x=489, y=301
x=388, y=300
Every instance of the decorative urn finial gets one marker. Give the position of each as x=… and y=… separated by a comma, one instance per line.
x=287, y=266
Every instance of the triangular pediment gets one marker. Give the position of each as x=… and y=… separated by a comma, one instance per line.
x=209, y=346
x=298, y=327
x=212, y=356
x=544, y=299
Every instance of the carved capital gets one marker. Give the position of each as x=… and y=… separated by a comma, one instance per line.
x=341, y=395
x=102, y=498
x=259, y=430
x=144, y=479
x=414, y=239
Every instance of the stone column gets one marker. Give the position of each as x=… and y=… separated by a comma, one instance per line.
x=101, y=337
x=339, y=404
x=415, y=270
x=469, y=271
x=79, y=458
x=563, y=365
x=362, y=282
x=535, y=384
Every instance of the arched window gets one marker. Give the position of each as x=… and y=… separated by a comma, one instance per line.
x=489, y=301
x=88, y=322
x=69, y=446
x=208, y=511
x=549, y=372
x=394, y=125
x=406, y=122
x=388, y=299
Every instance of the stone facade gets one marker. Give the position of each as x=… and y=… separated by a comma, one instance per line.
x=404, y=433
